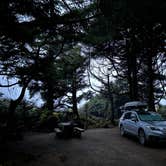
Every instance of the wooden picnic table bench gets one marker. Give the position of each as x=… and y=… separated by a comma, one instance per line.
x=78, y=131
x=68, y=130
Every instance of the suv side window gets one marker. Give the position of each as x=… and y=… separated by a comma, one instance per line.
x=134, y=115
x=127, y=115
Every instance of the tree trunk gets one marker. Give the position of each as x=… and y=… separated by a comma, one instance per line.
x=74, y=96
x=151, y=104
x=110, y=95
x=134, y=77
x=50, y=98
x=11, y=111
x=131, y=53
x=151, y=53
x=13, y=105
x=132, y=74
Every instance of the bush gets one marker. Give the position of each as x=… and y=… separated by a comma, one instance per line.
x=95, y=122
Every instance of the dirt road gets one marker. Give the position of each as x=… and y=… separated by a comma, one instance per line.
x=99, y=147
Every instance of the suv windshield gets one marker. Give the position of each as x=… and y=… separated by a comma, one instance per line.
x=148, y=116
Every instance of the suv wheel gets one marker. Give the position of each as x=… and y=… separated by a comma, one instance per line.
x=142, y=137
x=122, y=131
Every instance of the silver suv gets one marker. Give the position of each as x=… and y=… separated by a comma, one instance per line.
x=147, y=126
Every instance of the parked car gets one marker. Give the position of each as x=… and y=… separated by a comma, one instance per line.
x=147, y=126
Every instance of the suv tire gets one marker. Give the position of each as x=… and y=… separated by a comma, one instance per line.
x=122, y=131
x=142, y=137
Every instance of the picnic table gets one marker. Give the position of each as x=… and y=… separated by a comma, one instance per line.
x=68, y=130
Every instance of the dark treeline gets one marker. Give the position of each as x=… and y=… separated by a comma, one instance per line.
x=136, y=49
x=45, y=45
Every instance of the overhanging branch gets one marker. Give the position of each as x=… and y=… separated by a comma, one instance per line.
x=8, y=85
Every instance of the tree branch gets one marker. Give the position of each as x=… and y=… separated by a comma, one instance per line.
x=8, y=85
x=67, y=6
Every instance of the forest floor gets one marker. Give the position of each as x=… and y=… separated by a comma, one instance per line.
x=98, y=147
